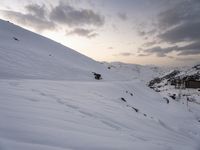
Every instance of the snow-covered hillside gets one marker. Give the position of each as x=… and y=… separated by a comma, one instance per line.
x=135, y=71
x=49, y=100
x=24, y=54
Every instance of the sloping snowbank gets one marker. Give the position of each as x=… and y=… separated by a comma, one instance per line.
x=60, y=115
x=26, y=55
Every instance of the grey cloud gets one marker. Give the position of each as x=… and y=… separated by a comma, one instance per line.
x=115, y=28
x=159, y=51
x=141, y=33
x=182, y=12
x=143, y=55
x=30, y=20
x=68, y=15
x=189, y=49
x=171, y=57
x=146, y=33
x=125, y=54
x=170, y=18
x=40, y=18
x=181, y=33
x=37, y=10
x=122, y=16
x=192, y=46
x=187, y=59
x=83, y=32
x=190, y=52
x=181, y=22
x=147, y=44
x=151, y=32
x=176, y=25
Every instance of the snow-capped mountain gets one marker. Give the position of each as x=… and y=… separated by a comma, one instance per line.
x=50, y=100
x=174, y=83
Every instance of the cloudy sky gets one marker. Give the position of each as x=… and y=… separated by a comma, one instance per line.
x=162, y=32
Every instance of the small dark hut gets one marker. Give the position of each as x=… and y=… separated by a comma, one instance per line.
x=192, y=81
x=192, y=84
x=186, y=82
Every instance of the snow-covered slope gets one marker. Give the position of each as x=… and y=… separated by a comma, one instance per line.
x=60, y=115
x=24, y=54
x=39, y=111
x=135, y=71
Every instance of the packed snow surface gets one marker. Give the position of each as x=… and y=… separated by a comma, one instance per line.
x=49, y=100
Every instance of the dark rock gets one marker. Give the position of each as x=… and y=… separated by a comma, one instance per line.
x=136, y=110
x=191, y=99
x=171, y=75
x=157, y=90
x=167, y=100
x=97, y=76
x=16, y=39
x=173, y=96
x=197, y=67
x=159, y=86
x=154, y=81
x=168, y=77
x=123, y=99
